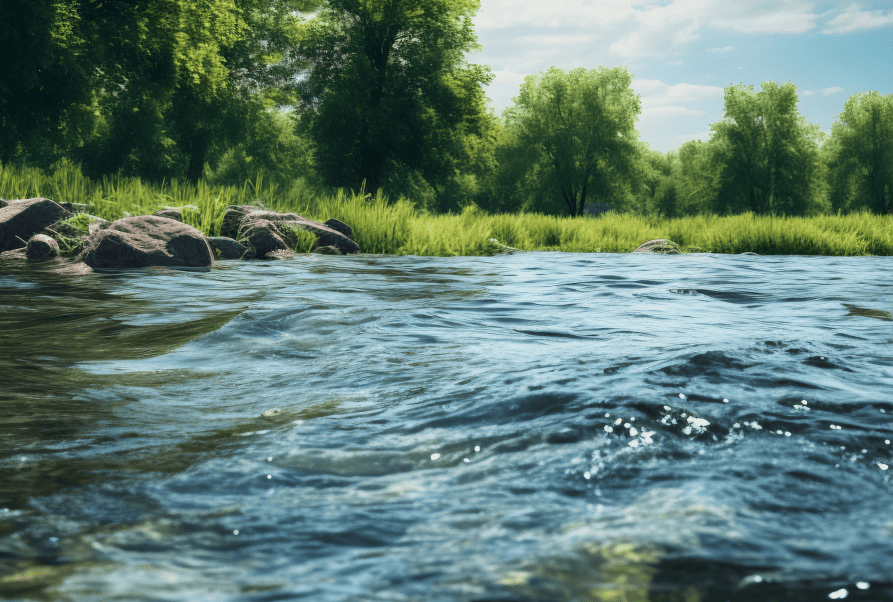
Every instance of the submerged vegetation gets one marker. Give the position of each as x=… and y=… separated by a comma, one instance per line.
x=400, y=227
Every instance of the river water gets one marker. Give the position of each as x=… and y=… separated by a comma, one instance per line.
x=531, y=427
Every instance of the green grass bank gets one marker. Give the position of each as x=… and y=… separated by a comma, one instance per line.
x=399, y=228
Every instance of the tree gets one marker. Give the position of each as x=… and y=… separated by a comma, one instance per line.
x=860, y=154
x=767, y=155
x=388, y=89
x=577, y=130
x=45, y=71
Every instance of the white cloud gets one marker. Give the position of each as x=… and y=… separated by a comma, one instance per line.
x=807, y=93
x=668, y=112
x=656, y=93
x=726, y=49
x=853, y=19
x=829, y=91
x=764, y=16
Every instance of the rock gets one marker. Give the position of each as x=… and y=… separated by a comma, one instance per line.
x=335, y=240
x=3, y=203
x=226, y=248
x=268, y=231
x=170, y=214
x=40, y=247
x=232, y=219
x=339, y=226
x=263, y=236
x=148, y=240
x=22, y=219
x=660, y=245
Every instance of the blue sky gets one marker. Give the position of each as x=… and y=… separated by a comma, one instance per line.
x=684, y=52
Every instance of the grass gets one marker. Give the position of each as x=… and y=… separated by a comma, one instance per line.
x=397, y=227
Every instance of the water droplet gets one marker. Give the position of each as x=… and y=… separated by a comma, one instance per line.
x=269, y=458
x=236, y=532
x=477, y=448
x=787, y=434
x=633, y=432
x=839, y=594
x=466, y=460
x=803, y=401
x=269, y=476
x=882, y=466
x=608, y=415
x=587, y=475
x=887, y=441
x=725, y=401
x=681, y=396
x=609, y=429
x=434, y=456
x=779, y=432
x=667, y=408
x=863, y=585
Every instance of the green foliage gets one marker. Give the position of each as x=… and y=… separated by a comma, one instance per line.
x=389, y=91
x=859, y=155
x=765, y=154
x=573, y=135
x=396, y=227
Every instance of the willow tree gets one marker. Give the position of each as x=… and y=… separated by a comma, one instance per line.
x=860, y=154
x=387, y=88
x=767, y=154
x=577, y=131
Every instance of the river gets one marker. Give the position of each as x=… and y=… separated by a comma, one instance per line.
x=530, y=427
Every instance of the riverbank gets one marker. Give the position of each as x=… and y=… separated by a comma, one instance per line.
x=398, y=228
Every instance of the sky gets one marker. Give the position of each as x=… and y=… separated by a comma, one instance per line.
x=683, y=53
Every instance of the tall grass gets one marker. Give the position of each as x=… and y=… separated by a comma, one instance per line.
x=397, y=227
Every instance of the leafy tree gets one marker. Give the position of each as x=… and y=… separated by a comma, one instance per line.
x=388, y=89
x=575, y=133
x=860, y=154
x=44, y=72
x=767, y=155
x=694, y=176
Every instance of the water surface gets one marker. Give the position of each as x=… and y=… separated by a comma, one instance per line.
x=540, y=426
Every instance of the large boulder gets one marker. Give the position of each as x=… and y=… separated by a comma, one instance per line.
x=40, y=247
x=22, y=219
x=148, y=240
x=660, y=245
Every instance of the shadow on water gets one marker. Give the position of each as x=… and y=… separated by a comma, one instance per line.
x=863, y=312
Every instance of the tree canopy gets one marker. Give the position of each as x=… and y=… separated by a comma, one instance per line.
x=388, y=89
x=767, y=155
x=860, y=154
x=576, y=130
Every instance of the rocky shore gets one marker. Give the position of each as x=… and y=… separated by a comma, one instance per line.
x=39, y=229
